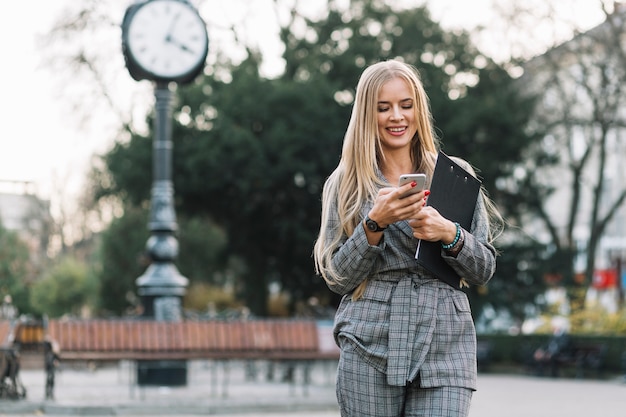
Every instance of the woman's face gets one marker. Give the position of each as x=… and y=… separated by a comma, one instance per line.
x=396, y=115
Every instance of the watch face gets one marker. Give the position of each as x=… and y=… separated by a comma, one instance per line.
x=372, y=225
x=166, y=38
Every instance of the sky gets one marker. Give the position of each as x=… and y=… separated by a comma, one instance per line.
x=34, y=140
x=41, y=142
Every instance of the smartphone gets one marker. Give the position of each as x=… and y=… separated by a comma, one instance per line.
x=420, y=179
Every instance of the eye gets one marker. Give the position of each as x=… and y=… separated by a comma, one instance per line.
x=407, y=104
x=383, y=109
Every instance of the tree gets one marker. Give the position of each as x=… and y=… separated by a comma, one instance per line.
x=122, y=261
x=249, y=150
x=16, y=272
x=66, y=288
x=580, y=119
x=252, y=171
x=253, y=153
x=122, y=258
x=476, y=104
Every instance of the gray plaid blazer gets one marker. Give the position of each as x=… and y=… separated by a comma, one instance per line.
x=408, y=322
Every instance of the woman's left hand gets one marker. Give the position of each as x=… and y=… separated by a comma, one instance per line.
x=431, y=226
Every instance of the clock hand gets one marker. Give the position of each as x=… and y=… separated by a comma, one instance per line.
x=180, y=45
x=172, y=26
x=170, y=39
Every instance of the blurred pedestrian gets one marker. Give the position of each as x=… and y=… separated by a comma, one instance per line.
x=51, y=362
x=7, y=309
x=552, y=353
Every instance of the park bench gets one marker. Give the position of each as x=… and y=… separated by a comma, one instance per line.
x=102, y=340
x=483, y=355
x=287, y=342
x=583, y=358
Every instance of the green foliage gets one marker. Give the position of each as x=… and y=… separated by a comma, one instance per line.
x=122, y=259
x=130, y=163
x=65, y=289
x=252, y=154
x=123, y=256
x=590, y=321
x=202, y=251
x=16, y=273
x=598, y=321
x=259, y=173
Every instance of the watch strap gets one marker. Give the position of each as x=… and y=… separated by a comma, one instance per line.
x=372, y=225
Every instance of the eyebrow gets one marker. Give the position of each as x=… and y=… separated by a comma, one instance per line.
x=401, y=101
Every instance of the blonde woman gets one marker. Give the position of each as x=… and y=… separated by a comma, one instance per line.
x=407, y=339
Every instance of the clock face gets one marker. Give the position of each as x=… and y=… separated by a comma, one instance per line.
x=167, y=39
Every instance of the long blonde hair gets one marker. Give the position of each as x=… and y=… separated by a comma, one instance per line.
x=356, y=179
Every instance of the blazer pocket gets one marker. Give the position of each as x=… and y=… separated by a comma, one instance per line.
x=379, y=290
x=369, y=315
x=461, y=303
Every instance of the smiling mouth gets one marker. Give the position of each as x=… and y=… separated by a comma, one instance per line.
x=396, y=129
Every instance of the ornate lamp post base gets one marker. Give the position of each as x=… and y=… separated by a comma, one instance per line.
x=161, y=288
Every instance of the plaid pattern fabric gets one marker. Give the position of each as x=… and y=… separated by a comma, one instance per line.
x=362, y=391
x=407, y=321
x=438, y=402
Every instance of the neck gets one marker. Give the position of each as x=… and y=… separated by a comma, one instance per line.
x=392, y=168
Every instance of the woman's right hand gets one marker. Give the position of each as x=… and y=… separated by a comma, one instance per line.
x=389, y=207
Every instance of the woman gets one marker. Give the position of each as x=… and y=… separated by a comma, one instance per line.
x=407, y=339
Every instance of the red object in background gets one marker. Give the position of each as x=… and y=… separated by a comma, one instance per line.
x=552, y=278
x=604, y=278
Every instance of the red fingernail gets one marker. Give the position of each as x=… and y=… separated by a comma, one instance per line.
x=413, y=184
x=427, y=192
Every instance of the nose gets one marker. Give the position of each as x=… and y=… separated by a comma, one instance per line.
x=396, y=114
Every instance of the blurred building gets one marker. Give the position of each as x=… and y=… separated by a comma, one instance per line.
x=581, y=115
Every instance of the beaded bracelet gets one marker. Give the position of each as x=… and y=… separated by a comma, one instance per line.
x=456, y=238
x=454, y=252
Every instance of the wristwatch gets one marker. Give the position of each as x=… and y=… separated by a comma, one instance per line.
x=372, y=225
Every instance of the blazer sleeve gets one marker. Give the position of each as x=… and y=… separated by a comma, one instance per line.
x=476, y=262
x=354, y=259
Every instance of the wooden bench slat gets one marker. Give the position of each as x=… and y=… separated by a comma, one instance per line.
x=127, y=339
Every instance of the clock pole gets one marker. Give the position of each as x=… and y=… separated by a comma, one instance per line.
x=164, y=41
x=162, y=287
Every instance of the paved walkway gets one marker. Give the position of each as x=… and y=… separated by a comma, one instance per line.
x=108, y=391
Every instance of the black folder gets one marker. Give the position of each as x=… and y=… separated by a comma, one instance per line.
x=453, y=192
